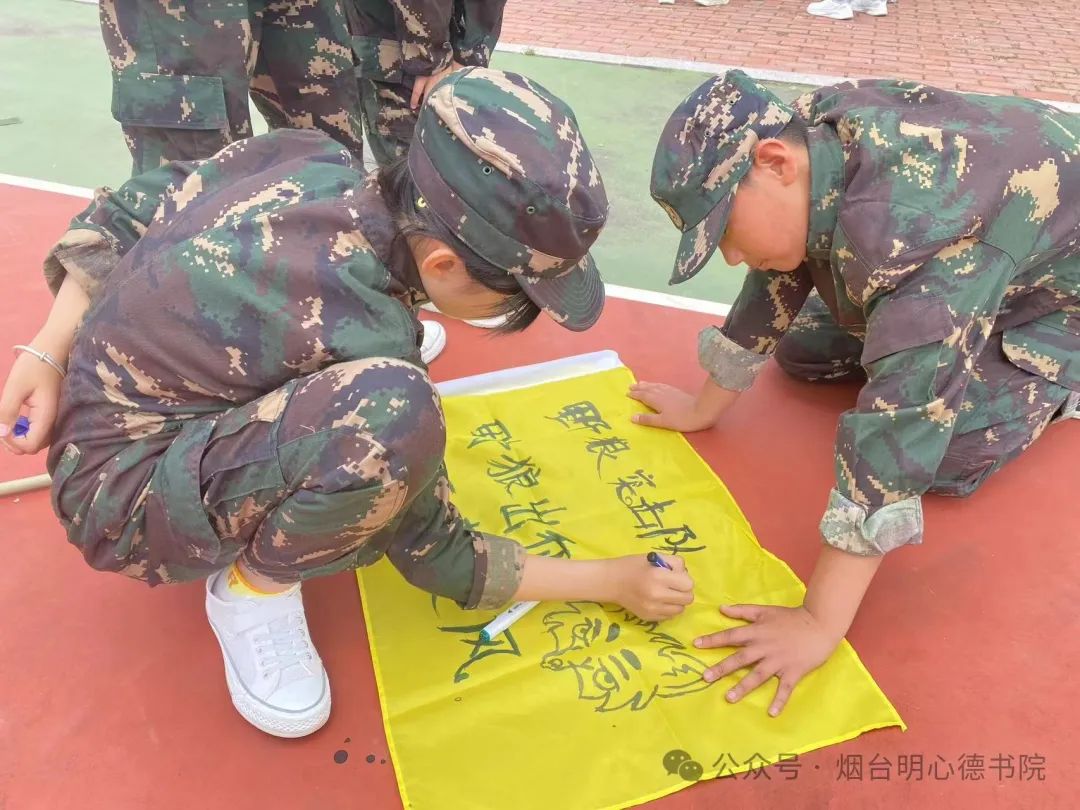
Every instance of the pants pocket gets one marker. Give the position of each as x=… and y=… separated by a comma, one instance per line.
x=170, y=101
x=67, y=465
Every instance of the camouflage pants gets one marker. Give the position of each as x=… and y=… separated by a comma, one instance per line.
x=388, y=119
x=1005, y=408
x=306, y=480
x=182, y=73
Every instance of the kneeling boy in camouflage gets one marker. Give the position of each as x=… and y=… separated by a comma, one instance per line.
x=923, y=241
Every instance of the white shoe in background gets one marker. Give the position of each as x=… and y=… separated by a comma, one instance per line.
x=1071, y=408
x=833, y=9
x=434, y=341
x=479, y=323
x=875, y=8
x=488, y=323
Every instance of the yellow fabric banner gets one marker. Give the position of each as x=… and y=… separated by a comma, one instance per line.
x=581, y=705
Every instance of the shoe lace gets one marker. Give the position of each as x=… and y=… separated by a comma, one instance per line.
x=283, y=644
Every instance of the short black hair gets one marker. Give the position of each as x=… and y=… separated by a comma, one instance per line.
x=794, y=133
x=401, y=196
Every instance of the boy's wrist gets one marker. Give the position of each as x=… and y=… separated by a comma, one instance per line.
x=833, y=629
x=707, y=411
x=712, y=401
x=554, y=579
x=55, y=341
x=609, y=586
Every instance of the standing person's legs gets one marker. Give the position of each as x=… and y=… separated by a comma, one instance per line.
x=304, y=75
x=180, y=76
x=833, y=9
x=388, y=119
x=389, y=122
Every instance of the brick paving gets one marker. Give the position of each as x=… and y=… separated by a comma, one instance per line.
x=993, y=46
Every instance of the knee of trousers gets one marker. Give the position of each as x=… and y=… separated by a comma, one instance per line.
x=391, y=403
x=804, y=363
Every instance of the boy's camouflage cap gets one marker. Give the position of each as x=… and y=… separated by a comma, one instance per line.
x=501, y=161
x=706, y=148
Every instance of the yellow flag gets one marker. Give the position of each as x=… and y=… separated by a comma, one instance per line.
x=582, y=705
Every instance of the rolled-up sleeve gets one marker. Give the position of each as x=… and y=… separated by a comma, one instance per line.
x=435, y=551
x=920, y=347
x=730, y=365
x=99, y=236
x=761, y=315
x=500, y=563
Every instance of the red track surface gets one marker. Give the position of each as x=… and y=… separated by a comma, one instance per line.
x=112, y=695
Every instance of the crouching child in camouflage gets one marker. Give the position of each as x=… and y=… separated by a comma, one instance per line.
x=245, y=402
x=922, y=241
x=403, y=48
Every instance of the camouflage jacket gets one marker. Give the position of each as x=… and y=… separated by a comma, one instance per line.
x=287, y=265
x=395, y=40
x=936, y=220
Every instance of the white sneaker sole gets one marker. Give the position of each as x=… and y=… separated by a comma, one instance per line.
x=833, y=15
x=429, y=353
x=488, y=323
x=274, y=721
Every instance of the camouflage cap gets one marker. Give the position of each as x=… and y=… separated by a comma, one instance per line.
x=501, y=162
x=706, y=149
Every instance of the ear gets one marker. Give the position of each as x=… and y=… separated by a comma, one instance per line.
x=441, y=262
x=777, y=159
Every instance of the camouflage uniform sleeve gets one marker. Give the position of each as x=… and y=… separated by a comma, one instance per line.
x=762, y=313
x=921, y=342
x=109, y=227
x=476, y=31
x=423, y=29
x=435, y=551
x=813, y=105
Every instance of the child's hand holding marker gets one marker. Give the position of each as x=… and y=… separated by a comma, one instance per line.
x=653, y=588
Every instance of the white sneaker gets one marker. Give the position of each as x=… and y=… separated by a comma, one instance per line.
x=434, y=341
x=479, y=323
x=1071, y=408
x=275, y=676
x=833, y=9
x=875, y=8
x=489, y=323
